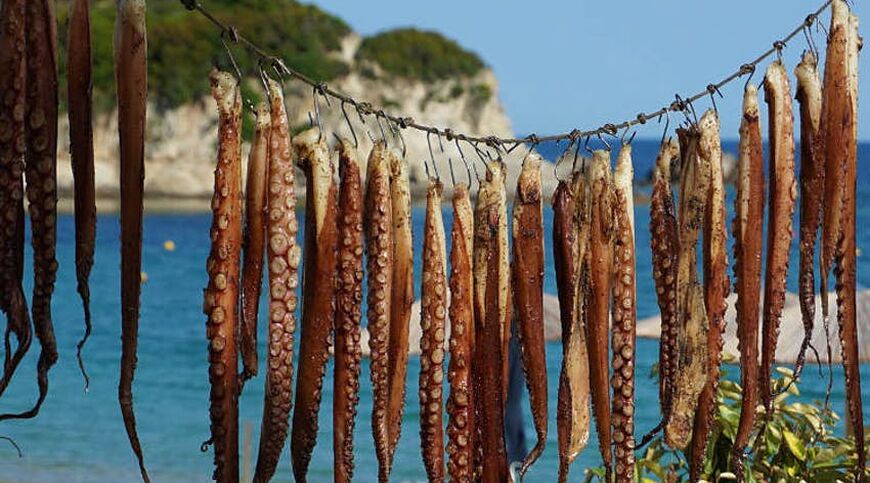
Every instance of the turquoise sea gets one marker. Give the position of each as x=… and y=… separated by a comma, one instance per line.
x=79, y=435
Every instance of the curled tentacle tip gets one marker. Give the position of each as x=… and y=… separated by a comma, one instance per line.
x=203, y=448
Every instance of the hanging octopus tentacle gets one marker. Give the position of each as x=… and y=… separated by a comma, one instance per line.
x=570, y=242
x=433, y=307
x=348, y=312
x=691, y=363
x=254, y=240
x=318, y=293
x=403, y=295
x=378, y=222
x=845, y=260
x=221, y=294
x=598, y=310
x=528, y=286
x=490, y=276
x=284, y=255
x=461, y=424
x=131, y=77
x=12, y=148
x=664, y=243
x=624, y=309
x=716, y=287
x=747, y=230
x=81, y=134
x=812, y=179
x=783, y=193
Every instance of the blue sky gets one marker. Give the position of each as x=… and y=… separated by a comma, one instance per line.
x=566, y=64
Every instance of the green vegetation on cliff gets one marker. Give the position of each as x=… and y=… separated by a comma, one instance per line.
x=415, y=54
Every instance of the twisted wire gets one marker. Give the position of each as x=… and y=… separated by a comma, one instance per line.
x=680, y=104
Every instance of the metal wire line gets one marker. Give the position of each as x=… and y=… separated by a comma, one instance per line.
x=681, y=104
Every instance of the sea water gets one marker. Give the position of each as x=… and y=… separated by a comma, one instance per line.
x=79, y=436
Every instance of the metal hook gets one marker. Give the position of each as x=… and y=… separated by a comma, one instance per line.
x=586, y=144
x=601, y=138
x=667, y=125
x=464, y=161
x=316, y=115
x=714, y=89
x=381, y=127
x=562, y=158
x=778, y=46
x=624, y=133
x=808, y=35
x=397, y=134
x=349, y=125
x=431, y=156
x=747, y=69
x=362, y=120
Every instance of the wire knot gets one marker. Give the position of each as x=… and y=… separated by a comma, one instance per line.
x=448, y=133
x=779, y=45
x=642, y=118
x=321, y=88
x=747, y=69
x=609, y=128
x=404, y=122
x=810, y=20
x=533, y=138
x=232, y=33
x=574, y=135
x=189, y=4
x=365, y=107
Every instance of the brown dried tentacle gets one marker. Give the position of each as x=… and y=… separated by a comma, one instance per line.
x=379, y=264
x=348, y=311
x=284, y=255
x=489, y=279
x=747, y=229
x=79, y=86
x=433, y=307
x=598, y=310
x=12, y=149
x=570, y=241
x=624, y=310
x=461, y=424
x=221, y=294
x=716, y=287
x=254, y=241
x=318, y=293
x=691, y=363
x=812, y=179
x=783, y=193
x=528, y=288
x=403, y=295
x=131, y=78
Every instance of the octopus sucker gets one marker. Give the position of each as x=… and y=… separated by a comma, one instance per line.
x=318, y=292
x=600, y=258
x=747, y=230
x=433, y=310
x=348, y=311
x=283, y=256
x=378, y=222
x=812, y=179
x=222, y=293
x=12, y=148
x=131, y=78
x=691, y=364
x=664, y=245
x=624, y=313
x=716, y=286
x=845, y=260
x=461, y=424
x=254, y=240
x=81, y=134
x=403, y=295
x=570, y=242
x=490, y=283
x=781, y=203
x=528, y=288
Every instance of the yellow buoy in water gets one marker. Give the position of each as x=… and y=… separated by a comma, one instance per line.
x=169, y=246
x=143, y=277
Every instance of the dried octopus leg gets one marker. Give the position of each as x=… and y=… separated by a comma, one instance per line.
x=403, y=295
x=433, y=308
x=624, y=310
x=284, y=255
x=460, y=409
x=691, y=363
x=81, y=134
x=12, y=149
x=570, y=240
x=845, y=267
x=664, y=243
x=378, y=220
x=528, y=285
x=131, y=77
x=747, y=228
x=318, y=293
x=254, y=241
x=490, y=276
x=348, y=312
x=600, y=257
x=809, y=96
x=716, y=287
x=221, y=294
x=783, y=193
